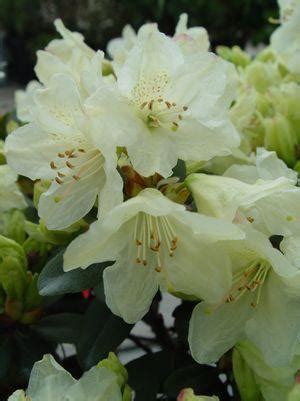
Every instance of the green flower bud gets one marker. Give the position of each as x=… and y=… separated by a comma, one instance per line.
x=187, y=394
x=235, y=55
x=294, y=395
x=37, y=253
x=280, y=137
x=127, y=393
x=39, y=188
x=262, y=75
x=13, y=225
x=40, y=233
x=112, y=363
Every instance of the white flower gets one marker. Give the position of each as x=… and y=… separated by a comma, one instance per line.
x=286, y=39
x=191, y=39
x=256, y=379
x=175, y=106
x=270, y=205
x=24, y=100
x=57, y=146
x=70, y=56
x=262, y=306
x=119, y=48
x=49, y=381
x=10, y=194
x=156, y=243
x=266, y=166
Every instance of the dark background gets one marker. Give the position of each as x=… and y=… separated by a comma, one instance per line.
x=27, y=24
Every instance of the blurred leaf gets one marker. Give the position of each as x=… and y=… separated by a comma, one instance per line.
x=54, y=281
x=61, y=327
x=101, y=333
x=147, y=373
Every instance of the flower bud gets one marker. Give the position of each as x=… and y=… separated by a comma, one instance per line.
x=187, y=394
x=280, y=137
x=40, y=232
x=13, y=225
x=235, y=55
x=40, y=187
x=112, y=363
x=262, y=75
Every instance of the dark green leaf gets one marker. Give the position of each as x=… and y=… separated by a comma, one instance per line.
x=147, y=374
x=101, y=333
x=5, y=355
x=61, y=328
x=180, y=170
x=182, y=316
x=54, y=281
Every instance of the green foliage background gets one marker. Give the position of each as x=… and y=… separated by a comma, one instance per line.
x=28, y=24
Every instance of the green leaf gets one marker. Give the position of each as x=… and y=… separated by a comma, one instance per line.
x=61, y=327
x=54, y=281
x=147, y=374
x=101, y=333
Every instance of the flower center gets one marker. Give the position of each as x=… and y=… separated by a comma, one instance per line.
x=249, y=280
x=153, y=236
x=75, y=166
x=153, y=106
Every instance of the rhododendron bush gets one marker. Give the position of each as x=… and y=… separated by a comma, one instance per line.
x=158, y=167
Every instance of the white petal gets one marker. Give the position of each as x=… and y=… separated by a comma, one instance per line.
x=48, y=380
x=211, y=334
x=63, y=205
x=29, y=151
x=275, y=325
x=59, y=105
x=98, y=384
x=130, y=287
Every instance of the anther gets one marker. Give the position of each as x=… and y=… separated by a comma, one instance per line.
x=143, y=105
x=81, y=150
x=158, y=269
x=145, y=262
x=61, y=155
x=76, y=177
x=138, y=242
x=250, y=219
x=58, y=180
x=150, y=105
x=138, y=260
x=69, y=164
x=185, y=108
x=53, y=165
x=61, y=175
x=168, y=104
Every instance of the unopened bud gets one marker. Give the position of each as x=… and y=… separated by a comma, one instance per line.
x=235, y=55
x=280, y=137
x=187, y=394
